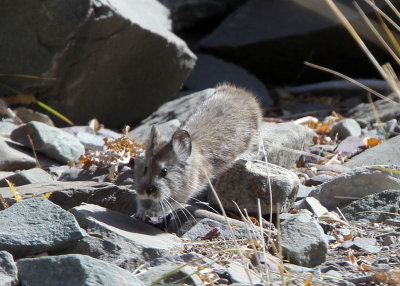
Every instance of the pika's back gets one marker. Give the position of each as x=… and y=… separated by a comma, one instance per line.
x=223, y=126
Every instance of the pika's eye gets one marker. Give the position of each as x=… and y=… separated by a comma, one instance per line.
x=164, y=172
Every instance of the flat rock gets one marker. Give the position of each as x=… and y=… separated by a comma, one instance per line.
x=154, y=274
x=203, y=230
x=386, y=110
x=350, y=146
x=283, y=142
x=14, y=157
x=28, y=115
x=354, y=185
x=71, y=270
x=95, y=40
x=8, y=270
x=237, y=274
x=374, y=208
x=120, y=239
x=388, y=152
x=51, y=141
x=210, y=71
x=6, y=128
x=37, y=225
x=246, y=181
x=35, y=175
x=303, y=240
x=314, y=206
x=71, y=194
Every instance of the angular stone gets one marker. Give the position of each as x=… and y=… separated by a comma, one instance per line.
x=238, y=274
x=51, y=141
x=35, y=175
x=283, y=143
x=8, y=270
x=246, y=181
x=28, y=115
x=120, y=239
x=303, y=240
x=345, y=128
x=157, y=273
x=14, y=157
x=37, y=225
x=354, y=185
x=210, y=71
x=72, y=270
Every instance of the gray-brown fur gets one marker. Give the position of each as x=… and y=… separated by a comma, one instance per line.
x=213, y=137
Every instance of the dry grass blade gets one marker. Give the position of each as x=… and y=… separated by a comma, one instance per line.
x=17, y=194
x=387, y=170
x=386, y=28
x=376, y=33
x=4, y=202
x=384, y=15
x=361, y=43
x=351, y=80
x=378, y=120
x=393, y=8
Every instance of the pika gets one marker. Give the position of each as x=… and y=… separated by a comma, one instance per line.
x=171, y=171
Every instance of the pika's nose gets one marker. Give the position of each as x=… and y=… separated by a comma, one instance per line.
x=150, y=190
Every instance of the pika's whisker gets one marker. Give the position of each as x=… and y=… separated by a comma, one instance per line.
x=184, y=209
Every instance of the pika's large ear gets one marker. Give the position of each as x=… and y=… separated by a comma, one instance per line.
x=182, y=144
x=154, y=139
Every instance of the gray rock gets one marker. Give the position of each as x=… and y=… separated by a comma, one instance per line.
x=386, y=110
x=71, y=194
x=8, y=270
x=255, y=37
x=35, y=175
x=283, y=142
x=90, y=141
x=186, y=275
x=314, y=206
x=141, y=133
x=51, y=141
x=303, y=240
x=37, y=225
x=187, y=13
x=28, y=115
x=205, y=226
x=354, y=185
x=79, y=52
x=210, y=71
x=14, y=157
x=388, y=152
x=120, y=239
x=179, y=109
x=374, y=208
x=124, y=177
x=345, y=128
x=71, y=270
x=6, y=128
x=304, y=191
x=238, y=274
x=246, y=181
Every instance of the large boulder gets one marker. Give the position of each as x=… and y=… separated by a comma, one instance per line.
x=113, y=60
x=272, y=39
